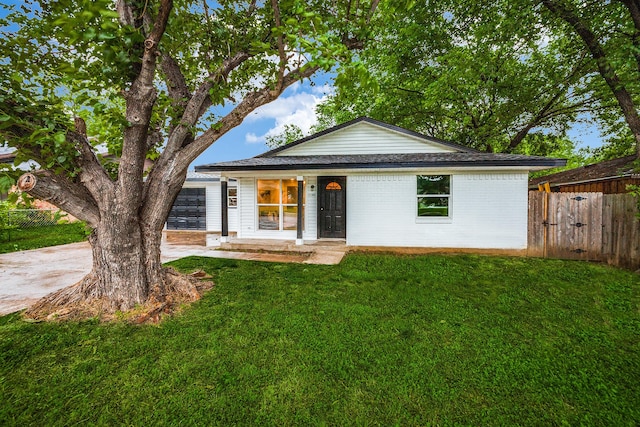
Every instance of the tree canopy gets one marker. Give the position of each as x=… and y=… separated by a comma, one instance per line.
x=160, y=80
x=506, y=76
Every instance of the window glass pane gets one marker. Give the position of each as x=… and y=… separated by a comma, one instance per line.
x=333, y=186
x=268, y=217
x=433, y=184
x=232, y=197
x=290, y=191
x=269, y=191
x=433, y=206
x=290, y=217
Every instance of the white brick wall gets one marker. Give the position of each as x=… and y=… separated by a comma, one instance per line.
x=488, y=210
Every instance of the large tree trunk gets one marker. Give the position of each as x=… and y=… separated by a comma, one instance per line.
x=118, y=263
x=127, y=273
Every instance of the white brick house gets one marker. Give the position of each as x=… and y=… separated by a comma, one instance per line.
x=374, y=184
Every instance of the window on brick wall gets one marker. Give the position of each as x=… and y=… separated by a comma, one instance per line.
x=433, y=195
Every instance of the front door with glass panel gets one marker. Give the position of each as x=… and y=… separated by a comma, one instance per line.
x=332, y=207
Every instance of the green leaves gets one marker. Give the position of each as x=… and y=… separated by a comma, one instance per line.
x=65, y=59
x=484, y=74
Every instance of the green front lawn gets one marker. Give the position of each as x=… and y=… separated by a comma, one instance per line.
x=377, y=340
x=40, y=237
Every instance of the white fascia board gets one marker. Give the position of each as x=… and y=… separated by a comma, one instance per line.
x=359, y=171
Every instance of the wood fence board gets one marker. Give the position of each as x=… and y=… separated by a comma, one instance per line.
x=621, y=245
x=535, y=246
x=609, y=227
x=575, y=226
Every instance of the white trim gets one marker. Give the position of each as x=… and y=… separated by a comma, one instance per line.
x=435, y=219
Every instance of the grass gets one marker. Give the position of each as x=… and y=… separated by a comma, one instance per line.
x=377, y=340
x=40, y=237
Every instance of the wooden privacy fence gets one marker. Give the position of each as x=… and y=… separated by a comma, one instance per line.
x=586, y=226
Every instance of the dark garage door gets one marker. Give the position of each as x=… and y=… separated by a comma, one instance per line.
x=189, y=211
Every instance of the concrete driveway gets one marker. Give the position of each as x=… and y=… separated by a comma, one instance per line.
x=27, y=276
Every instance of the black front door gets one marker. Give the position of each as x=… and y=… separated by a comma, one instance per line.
x=332, y=207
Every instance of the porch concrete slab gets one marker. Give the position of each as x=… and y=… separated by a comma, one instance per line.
x=332, y=257
x=27, y=276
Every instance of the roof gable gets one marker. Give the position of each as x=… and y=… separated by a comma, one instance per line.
x=366, y=136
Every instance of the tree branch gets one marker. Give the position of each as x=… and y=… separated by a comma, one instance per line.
x=58, y=190
x=281, y=52
x=250, y=102
x=200, y=101
x=140, y=101
x=547, y=111
x=92, y=174
x=625, y=101
x=374, y=6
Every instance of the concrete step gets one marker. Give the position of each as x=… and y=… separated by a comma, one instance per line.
x=257, y=245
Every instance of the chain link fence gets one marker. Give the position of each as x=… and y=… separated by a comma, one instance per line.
x=26, y=218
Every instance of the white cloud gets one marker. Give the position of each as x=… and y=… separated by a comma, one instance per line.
x=298, y=108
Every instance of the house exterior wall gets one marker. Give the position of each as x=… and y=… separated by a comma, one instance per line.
x=364, y=138
x=214, y=206
x=247, y=221
x=488, y=210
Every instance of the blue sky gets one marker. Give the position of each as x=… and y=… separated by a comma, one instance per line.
x=295, y=106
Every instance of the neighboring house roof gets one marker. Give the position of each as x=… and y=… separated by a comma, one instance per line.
x=617, y=168
x=428, y=153
x=196, y=176
x=384, y=161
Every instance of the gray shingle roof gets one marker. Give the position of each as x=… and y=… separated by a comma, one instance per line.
x=381, y=161
x=196, y=176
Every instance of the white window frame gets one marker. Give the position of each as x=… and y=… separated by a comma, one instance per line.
x=280, y=204
x=230, y=197
x=436, y=219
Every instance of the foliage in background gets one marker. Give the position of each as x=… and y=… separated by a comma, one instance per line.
x=290, y=134
x=24, y=229
x=485, y=75
x=499, y=76
x=22, y=239
x=376, y=340
x=609, y=32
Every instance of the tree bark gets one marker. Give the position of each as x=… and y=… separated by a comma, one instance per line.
x=126, y=274
x=118, y=263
